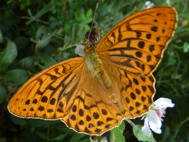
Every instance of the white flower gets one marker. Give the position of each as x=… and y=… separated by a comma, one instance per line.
x=79, y=50
x=153, y=119
x=149, y=4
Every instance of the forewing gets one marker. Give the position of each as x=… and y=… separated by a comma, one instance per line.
x=50, y=93
x=136, y=44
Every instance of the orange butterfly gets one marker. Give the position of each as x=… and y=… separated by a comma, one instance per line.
x=113, y=81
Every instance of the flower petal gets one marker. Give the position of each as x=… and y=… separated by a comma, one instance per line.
x=155, y=128
x=163, y=103
x=146, y=129
x=154, y=121
x=79, y=50
x=149, y=4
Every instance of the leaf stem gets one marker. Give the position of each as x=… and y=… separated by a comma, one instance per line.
x=130, y=122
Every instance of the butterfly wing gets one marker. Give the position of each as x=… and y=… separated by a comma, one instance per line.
x=93, y=112
x=136, y=44
x=71, y=92
x=97, y=109
x=49, y=94
x=131, y=51
x=134, y=93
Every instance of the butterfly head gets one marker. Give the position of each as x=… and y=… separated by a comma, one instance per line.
x=94, y=37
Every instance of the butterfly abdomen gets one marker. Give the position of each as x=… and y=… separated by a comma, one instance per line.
x=94, y=65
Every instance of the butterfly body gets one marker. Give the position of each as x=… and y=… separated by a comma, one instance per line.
x=113, y=81
x=92, y=59
x=95, y=66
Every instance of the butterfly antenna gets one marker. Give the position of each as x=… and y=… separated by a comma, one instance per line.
x=92, y=22
x=60, y=37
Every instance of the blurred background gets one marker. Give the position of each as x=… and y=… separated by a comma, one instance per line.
x=26, y=49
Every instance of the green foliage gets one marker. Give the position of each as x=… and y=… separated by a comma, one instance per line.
x=1, y=37
x=3, y=92
x=8, y=55
x=117, y=133
x=137, y=130
x=15, y=77
x=26, y=49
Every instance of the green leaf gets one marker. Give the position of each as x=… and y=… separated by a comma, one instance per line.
x=60, y=137
x=17, y=120
x=16, y=77
x=137, y=130
x=26, y=62
x=77, y=15
x=89, y=13
x=8, y=55
x=40, y=13
x=45, y=60
x=42, y=37
x=77, y=137
x=3, y=140
x=186, y=47
x=88, y=20
x=3, y=92
x=117, y=133
x=89, y=17
x=82, y=17
x=42, y=135
x=1, y=37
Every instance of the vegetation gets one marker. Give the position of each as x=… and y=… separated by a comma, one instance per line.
x=26, y=48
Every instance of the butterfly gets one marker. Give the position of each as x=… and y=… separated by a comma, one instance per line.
x=113, y=81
